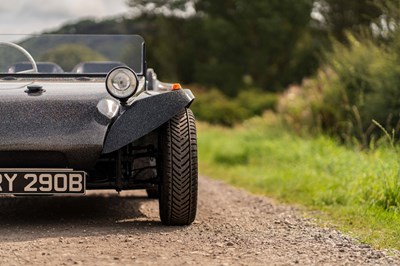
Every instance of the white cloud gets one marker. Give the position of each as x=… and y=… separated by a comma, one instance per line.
x=34, y=16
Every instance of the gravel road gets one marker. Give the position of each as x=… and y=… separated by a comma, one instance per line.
x=232, y=228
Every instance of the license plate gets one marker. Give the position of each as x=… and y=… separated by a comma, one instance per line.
x=42, y=181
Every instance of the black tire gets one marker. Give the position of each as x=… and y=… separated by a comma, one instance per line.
x=152, y=193
x=179, y=173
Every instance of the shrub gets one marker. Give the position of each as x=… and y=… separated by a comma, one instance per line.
x=257, y=101
x=313, y=107
x=216, y=108
x=360, y=83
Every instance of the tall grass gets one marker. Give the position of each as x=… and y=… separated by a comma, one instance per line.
x=359, y=190
x=359, y=82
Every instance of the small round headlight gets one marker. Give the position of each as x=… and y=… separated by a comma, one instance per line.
x=122, y=83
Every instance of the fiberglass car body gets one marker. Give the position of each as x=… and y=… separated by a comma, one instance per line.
x=68, y=132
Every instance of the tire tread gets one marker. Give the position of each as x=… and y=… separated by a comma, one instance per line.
x=178, y=201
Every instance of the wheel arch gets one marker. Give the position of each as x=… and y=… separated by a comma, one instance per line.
x=148, y=112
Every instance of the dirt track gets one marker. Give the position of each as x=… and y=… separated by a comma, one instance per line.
x=232, y=227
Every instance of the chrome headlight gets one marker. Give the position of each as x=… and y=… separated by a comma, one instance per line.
x=122, y=83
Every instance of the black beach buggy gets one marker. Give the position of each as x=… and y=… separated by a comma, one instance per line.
x=82, y=112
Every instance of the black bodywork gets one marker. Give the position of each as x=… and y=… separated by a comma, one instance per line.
x=97, y=134
x=72, y=122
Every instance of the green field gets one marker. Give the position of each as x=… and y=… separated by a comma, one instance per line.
x=356, y=191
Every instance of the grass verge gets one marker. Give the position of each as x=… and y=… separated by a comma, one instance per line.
x=358, y=191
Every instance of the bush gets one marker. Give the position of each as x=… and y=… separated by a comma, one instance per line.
x=360, y=83
x=313, y=106
x=214, y=107
x=257, y=101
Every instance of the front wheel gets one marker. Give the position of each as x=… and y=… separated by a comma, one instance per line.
x=179, y=170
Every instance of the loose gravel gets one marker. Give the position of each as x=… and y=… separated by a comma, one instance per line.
x=232, y=228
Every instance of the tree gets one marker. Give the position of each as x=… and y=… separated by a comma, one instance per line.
x=232, y=44
x=263, y=40
x=159, y=6
x=340, y=16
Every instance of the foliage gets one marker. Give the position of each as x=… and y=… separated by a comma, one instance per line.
x=159, y=6
x=319, y=105
x=370, y=77
x=341, y=16
x=67, y=56
x=233, y=46
x=256, y=101
x=216, y=108
x=229, y=44
x=359, y=190
x=360, y=83
x=259, y=40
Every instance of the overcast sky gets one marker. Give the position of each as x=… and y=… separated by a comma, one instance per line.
x=34, y=16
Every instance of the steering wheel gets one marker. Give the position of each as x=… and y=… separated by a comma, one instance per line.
x=26, y=53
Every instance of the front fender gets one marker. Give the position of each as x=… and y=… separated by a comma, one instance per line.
x=148, y=112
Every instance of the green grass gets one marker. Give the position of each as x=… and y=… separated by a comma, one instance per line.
x=357, y=191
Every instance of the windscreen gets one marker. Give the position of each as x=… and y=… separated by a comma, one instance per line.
x=70, y=54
